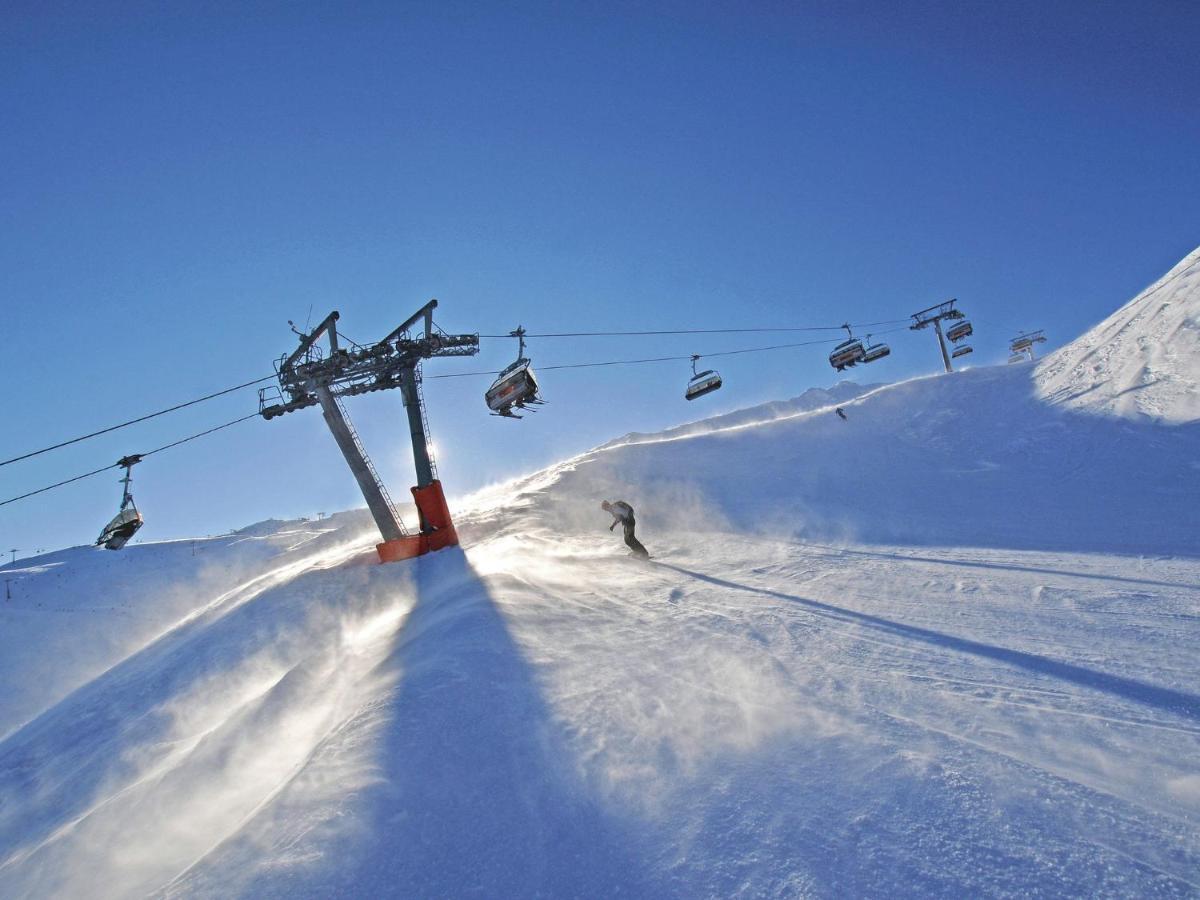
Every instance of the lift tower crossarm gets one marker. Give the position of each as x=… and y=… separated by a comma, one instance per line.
x=933, y=316
x=426, y=311
x=306, y=379
x=1023, y=342
x=306, y=341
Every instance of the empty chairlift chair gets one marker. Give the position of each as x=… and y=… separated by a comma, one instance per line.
x=959, y=331
x=849, y=352
x=127, y=520
x=515, y=387
x=875, y=351
x=701, y=383
x=961, y=351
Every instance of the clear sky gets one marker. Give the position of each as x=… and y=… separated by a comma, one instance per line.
x=178, y=180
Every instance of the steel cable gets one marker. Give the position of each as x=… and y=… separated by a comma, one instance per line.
x=117, y=465
x=144, y=418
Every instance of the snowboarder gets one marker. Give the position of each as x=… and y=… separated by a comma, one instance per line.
x=622, y=512
x=840, y=413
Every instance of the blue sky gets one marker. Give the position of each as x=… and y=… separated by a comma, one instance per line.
x=180, y=180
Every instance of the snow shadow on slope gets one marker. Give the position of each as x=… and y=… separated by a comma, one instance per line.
x=1180, y=703
x=474, y=791
x=833, y=552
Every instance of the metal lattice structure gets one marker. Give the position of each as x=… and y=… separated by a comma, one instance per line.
x=934, y=316
x=310, y=376
x=1023, y=343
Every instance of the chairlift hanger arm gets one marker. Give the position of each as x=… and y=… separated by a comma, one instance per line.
x=935, y=313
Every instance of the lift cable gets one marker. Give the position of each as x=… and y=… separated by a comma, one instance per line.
x=200, y=434
x=655, y=359
x=144, y=418
x=59, y=484
x=247, y=384
x=567, y=334
x=118, y=465
x=587, y=365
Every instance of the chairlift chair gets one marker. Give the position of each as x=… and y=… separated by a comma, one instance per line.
x=875, y=351
x=1016, y=358
x=1020, y=345
x=701, y=383
x=127, y=520
x=516, y=386
x=960, y=331
x=961, y=351
x=849, y=352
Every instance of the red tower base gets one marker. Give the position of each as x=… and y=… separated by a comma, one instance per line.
x=437, y=528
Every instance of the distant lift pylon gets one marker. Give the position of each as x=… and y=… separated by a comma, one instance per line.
x=309, y=378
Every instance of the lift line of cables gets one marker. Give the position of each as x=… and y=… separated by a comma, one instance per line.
x=118, y=465
x=572, y=334
x=651, y=359
x=614, y=362
x=147, y=417
x=238, y=387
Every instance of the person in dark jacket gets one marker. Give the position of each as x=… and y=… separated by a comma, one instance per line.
x=622, y=512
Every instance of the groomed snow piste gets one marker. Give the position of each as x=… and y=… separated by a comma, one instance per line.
x=946, y=647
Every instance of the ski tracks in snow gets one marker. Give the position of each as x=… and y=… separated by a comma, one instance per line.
x=881, y=653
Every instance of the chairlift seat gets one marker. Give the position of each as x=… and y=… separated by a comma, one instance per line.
x=847, y=353
x=703, y=383
x=515, y=386
x=1016, y=358
x=122, y=527
x=877, y=351
x=961, y=351
x=960, y=331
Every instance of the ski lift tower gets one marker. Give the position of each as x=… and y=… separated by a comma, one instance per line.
x=309, y=377
x=933, y=316
x=1023, y=342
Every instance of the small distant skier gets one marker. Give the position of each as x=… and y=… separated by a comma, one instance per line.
x=622, y=512
x=840, y=413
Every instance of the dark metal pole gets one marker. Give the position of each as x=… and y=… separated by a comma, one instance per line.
x=372, y=491
x=416, y=426
x=937, y=326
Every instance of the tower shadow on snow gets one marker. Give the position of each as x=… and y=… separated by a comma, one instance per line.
x=477, y=791
x=1003, y=567
x=1166, y=699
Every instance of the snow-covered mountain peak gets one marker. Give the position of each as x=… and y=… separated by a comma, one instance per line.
x=1143, y=361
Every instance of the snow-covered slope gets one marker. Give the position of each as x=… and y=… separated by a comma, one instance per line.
x=1143, y=361
x=763, y=413
x=943, y=648
x=973, y=460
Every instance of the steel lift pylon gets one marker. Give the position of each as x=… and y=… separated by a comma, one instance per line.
x=308, y=377
x=934, y=316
